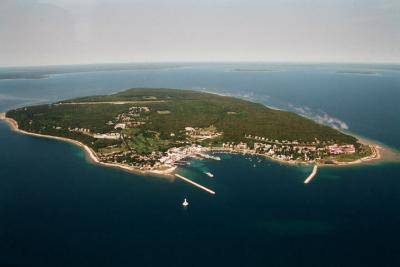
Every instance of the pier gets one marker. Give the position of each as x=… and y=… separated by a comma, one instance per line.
x=312, y=174
x=195, y=184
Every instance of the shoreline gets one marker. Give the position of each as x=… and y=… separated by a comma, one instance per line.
x=375, y=157
x=380, y=153
x=91, y=155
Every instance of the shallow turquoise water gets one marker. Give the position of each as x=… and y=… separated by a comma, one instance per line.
x=57, y=209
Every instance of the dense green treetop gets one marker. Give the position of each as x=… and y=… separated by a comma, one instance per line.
x=232, y=116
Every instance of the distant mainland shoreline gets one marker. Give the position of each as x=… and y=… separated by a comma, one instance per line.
x=357, y=72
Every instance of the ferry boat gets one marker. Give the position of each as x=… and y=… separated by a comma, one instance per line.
x=185, y=203
x=209, y=174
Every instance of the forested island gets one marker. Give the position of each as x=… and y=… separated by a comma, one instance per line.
x=153, y=130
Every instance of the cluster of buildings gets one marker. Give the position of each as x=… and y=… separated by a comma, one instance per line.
x=157, y=160
x=271, y=150
x=132, y=159
x=176, y=154
x=112, y=136
x=278, y=149
x=200, y=134
x=341, y=149
x=288, y=151
x=282, y=142
x=79, y=130
x=132, y=118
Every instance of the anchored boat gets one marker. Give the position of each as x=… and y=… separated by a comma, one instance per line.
x=209, y=174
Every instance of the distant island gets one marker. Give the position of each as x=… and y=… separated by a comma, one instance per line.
x=153, y=130
x=22, y=76
x=257, y=70
x=359, y=72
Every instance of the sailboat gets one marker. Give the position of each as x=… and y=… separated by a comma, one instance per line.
x=185, y=203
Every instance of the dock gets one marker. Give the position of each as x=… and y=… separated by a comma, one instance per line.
x=312, y=174
x=195, y=184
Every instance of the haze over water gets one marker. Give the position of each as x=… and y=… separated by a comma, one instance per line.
x=57, y=209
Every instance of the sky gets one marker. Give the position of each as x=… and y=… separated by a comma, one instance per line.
x=53, y=32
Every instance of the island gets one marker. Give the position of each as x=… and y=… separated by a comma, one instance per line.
x=359, y=72
x=152, y=130
x=22, y=76
x=257, y=70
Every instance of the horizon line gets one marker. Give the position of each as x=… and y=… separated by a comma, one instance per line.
x=205, y=62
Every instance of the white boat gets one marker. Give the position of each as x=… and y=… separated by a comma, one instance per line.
x=185, y=203
x=209, y=174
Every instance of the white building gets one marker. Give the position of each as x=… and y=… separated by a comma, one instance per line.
x=120, y=126
x=114, y=136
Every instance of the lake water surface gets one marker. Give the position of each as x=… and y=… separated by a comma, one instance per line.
x=58, y=209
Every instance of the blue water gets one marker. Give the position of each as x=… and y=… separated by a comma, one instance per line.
x=57, y=209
